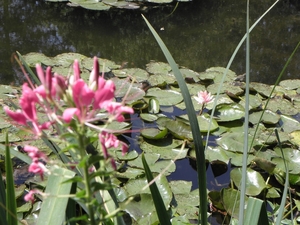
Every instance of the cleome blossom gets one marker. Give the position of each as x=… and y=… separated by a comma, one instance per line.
x=65, y=100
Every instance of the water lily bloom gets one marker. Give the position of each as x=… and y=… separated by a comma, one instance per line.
x=204, y=97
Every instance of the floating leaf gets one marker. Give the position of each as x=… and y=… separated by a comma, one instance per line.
x=131, y=155
x=231, y=201
x=229, y=112
x=168, y=148
x=234, y=141
x=165, y=97
x=148, y=117
x=269, y=117
x=36, y=57
x=180, y=130
x=134, y=73
x=283, y=105
x=154, y=133
x=254, y=181
x=291, y=156
x=263, y=89
x=290, y=84
x=288, y=124
x=158, y=68
x=153, y=106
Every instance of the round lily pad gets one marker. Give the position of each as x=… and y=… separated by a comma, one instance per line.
x=154, y=133
x=165, y=97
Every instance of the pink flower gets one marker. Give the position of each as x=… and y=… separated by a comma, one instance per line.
x=82, y=97
x=45, y=89
x=37, y=167
x=204, y=97
x=30, y=195
x=17, y=116
x=28, y=113
x=104, y=93
x=117, y=109
x=34, y=153
x=109, y=140
x=93, y=80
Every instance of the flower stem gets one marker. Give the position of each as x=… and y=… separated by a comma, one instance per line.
x=88, y=194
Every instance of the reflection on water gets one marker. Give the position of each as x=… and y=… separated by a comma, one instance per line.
x=199, y=35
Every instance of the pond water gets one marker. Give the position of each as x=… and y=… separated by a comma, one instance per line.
x=199, y=34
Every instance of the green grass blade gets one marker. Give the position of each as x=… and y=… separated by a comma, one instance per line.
x=28, y=69
x=200, y=157
x=256, y=212
x=286, y=184
x=2, y=202
x=54, y=206
x=246, y=124
x=11, y=205
x=161, y=211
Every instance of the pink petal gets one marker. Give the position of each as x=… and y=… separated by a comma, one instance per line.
x=76, y=70
x=17, y=116
x=82, y=95
x=69, y=113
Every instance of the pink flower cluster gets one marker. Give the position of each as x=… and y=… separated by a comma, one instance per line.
x=81, y=103
x=36, y=155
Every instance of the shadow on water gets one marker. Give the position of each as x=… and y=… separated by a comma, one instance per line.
x=199, y=34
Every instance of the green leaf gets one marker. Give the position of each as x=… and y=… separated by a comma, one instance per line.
x=2, y=202
x=256, y=213
x=11, y=205
x=201, y=165
x=254, y=181
x=162, y=213
x=165, y=97
x=154, y=133
x=153, y=106
x=231, y=201
x=229, y=112
x=54, y=206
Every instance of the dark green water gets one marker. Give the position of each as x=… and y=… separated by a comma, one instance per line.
x=199, y=34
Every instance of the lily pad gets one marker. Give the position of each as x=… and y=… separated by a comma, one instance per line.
x=290, y=84
x=148, y=117
x=231, y=201
x=158, y=68
x=136, y=74
x=254, y=181
x=268, y=117
x=36, y=57
x=288, y=124
x=234, y=141
x=168, y=148
x=165, y=97
x=154, y=133
x=263, y=89
x=283, y=105
x=161, y=80
x=229, y=112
